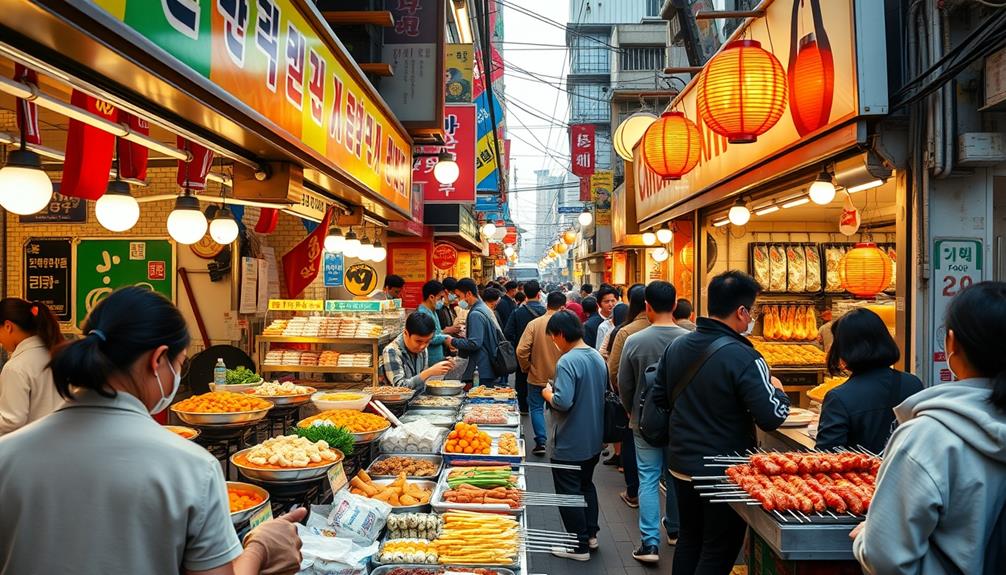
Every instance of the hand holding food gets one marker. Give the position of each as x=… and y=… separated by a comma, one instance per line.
x=279, y=544
x=221, y=402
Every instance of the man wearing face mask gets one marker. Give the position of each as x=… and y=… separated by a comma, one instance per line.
x=482, y=331
x=723, y=389
x=433, y=301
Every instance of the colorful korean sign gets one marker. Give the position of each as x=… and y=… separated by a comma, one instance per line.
x=459, y=139
x=414, y=48
x=601, y=184
x=582, y=149
x=958, y=265
x=444, y=256
x=284, y=65
x=458, y=68
x=486, y=159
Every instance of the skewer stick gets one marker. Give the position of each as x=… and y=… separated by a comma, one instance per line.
x=709, y=477
x=781, y=516
x=735, y=501
x=795, y=516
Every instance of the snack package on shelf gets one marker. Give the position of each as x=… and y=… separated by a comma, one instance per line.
x=796, y=268
x=777, y=268
x=833, y=258
x=813, y=260
x=760, y=264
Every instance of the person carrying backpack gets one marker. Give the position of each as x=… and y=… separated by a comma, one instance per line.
x=716, y=387
x=941, y=491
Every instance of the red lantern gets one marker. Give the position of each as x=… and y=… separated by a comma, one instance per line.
x=671, y=145
x=687, y=256
x=742, y=92
x=865, y=270
x=811, y=85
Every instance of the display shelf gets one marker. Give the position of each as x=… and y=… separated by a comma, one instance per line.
x=382, y=340
x=314, y=369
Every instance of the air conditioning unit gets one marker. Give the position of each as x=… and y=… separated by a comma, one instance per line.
x=981, y=148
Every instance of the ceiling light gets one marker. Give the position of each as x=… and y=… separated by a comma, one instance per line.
x=585, y=218
x=661, y=254
x=721, y=223
x=25, y=188
x=366, y=249
x=117, y=210
x=766, y=210
x=461, y=20
x=223, y=228
x=865, y=186
x=379, y=253
x=797, y=202
x=822, y=191
x=489, y=229
x=351, y=246
x=446, y=170
x=334, y=240
x=739, y=213
x=649, y=238
x=664, y=235
x=186, y=223
x=508, y=251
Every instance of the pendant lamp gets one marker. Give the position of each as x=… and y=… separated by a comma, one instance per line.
x=672, y=145
x=351, y=246
x=865, y=270
x=742, y=92
x=223, y=228
x=446, y=170
x=649, y=238
x=822, y=191
x=334, y=240
x=379, y=253
x=117, y=210
x=25, y=188
x=665, y=235
x=661, y=254
x=186, y=223
x=739, y=213
x=585, y=218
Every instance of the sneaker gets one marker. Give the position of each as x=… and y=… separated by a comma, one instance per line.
x=538, y=450
x=593, y=544
x=575, y=555
x=632, y=502
x=613, y=460
x=672, y=539
x=647, y=554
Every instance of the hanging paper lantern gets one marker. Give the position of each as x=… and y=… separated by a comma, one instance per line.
x=560, y=248
x=811, y=85
x=865, y=270
x=671, y=145
x=569, y=237
x=742, y=92
x=552, y=254
x=687, y=256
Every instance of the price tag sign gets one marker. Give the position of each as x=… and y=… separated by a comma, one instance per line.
x=261, y=517
x=296, y=305
x=958, y=264
x=337, y=477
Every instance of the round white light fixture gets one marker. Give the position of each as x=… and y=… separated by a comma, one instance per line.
x=649, y=238
x=508, y=251
x=661, y=254
x=366, y=249
x=117, y=210
x=489, y=229
x=628, y=133
x=585, y=218
x=380, y=253
x=664, y=235
x=223, y=228
x=186, y=223
x=446, y=171
x=739, y=213
x=351, y=246
x=25, y=188
x=334, y=240
x=822, y=191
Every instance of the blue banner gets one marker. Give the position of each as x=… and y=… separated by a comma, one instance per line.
x=335, y=267
x=486, y=172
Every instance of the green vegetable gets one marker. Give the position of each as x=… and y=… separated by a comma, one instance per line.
x=336, y=437
x=241, y=376
x=484, y=479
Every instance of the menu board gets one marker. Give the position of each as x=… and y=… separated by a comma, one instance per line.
x=47, y=275
x=103, y=265
x=61, y=209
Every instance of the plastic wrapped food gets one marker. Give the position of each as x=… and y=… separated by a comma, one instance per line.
x=413, y=437
x=358, y=518
x=324, y=554
x=796, y=269
x=833, y=258
x=760, y=264
x=891, y=253
x=777, y=268
x=813, y=259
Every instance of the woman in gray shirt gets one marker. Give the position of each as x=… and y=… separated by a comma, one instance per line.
x=98, y=487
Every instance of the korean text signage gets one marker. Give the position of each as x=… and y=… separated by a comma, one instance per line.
x=958, y=265
x=787, y=30
x=486, y=159
x=335, y=266
x=62, y=209
x=582, y=148
x=269, y=55
x=104, y=265
x=467, y=226
x=459, y=139
x=601, y=183
x=47, y=275
x=296, y=305
x=458, y=64
x=414, y=48
x=361, y=279
x=444, y=256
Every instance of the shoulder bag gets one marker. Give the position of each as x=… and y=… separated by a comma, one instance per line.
x=504, y=358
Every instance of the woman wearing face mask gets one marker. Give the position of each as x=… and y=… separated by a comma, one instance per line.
x=941, y=491
x=99, y=487
x=28, y=333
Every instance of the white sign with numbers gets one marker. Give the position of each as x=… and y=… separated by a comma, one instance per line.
x=958, y=264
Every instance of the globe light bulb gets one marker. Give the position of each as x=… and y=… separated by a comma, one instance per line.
x=822, y=191
x=186, y=223
x=739, y=213
x=489, y=229
x=585, y=218
x=351, y=247
x=664, y=235
x=446, y=170
x=334, y=240
x=117, y=210
x=380, y=253
x=649, y=238
x=224, y=229
x=25, y=188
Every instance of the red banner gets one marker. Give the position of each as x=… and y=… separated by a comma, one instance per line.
x=133, y=157
x=585, y=195
x=459, y=139
x=301, y=264
x=582, y=149
x=267, y=220
x=192, y=174
x=27, y=112
x=88, y=151
x=511, y=235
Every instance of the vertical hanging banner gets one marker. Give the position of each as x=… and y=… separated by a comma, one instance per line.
x=459, y=139
x=414, y=47
x=585, y=194
x=458, y=66
x=301, y=264
x=601, y=183
x=88, y=150
x=27, y=112
x=486, y=161
x=132, y=157
x=581, y=148
x=192, y=174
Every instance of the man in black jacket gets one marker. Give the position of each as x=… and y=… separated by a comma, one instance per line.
x=514, y=329
x=715, y=414
x=594, y=319
x=507, y=305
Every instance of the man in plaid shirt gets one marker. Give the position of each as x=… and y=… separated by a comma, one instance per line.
x=405, y=361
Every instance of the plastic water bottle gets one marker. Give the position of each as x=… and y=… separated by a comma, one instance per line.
x=475, y=378
x=220, y=372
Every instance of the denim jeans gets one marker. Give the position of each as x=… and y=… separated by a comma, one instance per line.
x=536, y=407
x=651, y=462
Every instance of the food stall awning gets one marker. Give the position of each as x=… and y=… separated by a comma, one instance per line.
x=454, y=223
x=283, y=89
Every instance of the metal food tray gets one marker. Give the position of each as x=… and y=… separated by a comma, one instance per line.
x=512, y=401
x=230, y=418
x=437, y=460
x=284, y=400
x=284, y=475
x=452, y=390
x=385, y=569
x=493, y=457
x=422, y=508
x=455, y=407
x=823, y=539
x=516, y=565
x=422, y=412
x=239, y=517
x=369, y=436
x=440, y=505
x=512, y=420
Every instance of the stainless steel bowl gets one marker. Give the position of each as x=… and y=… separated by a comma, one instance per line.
x=424, y=508
x=393, y=397
x=193, y=418
x=280, y=475
x=284, y=400
x=368, y=436
x=446, y=387
x=239, y=517
x=177, y=428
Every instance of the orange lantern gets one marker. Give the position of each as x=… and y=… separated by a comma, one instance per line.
x=687, y=255
x=742, y=92
x=811, y=85
x=560, y=248
x=671, y=145
x=865, y=270
x=569, y=237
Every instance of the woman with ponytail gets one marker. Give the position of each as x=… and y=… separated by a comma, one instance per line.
x=98, y=487
x=29, y=334
x=941, y=492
